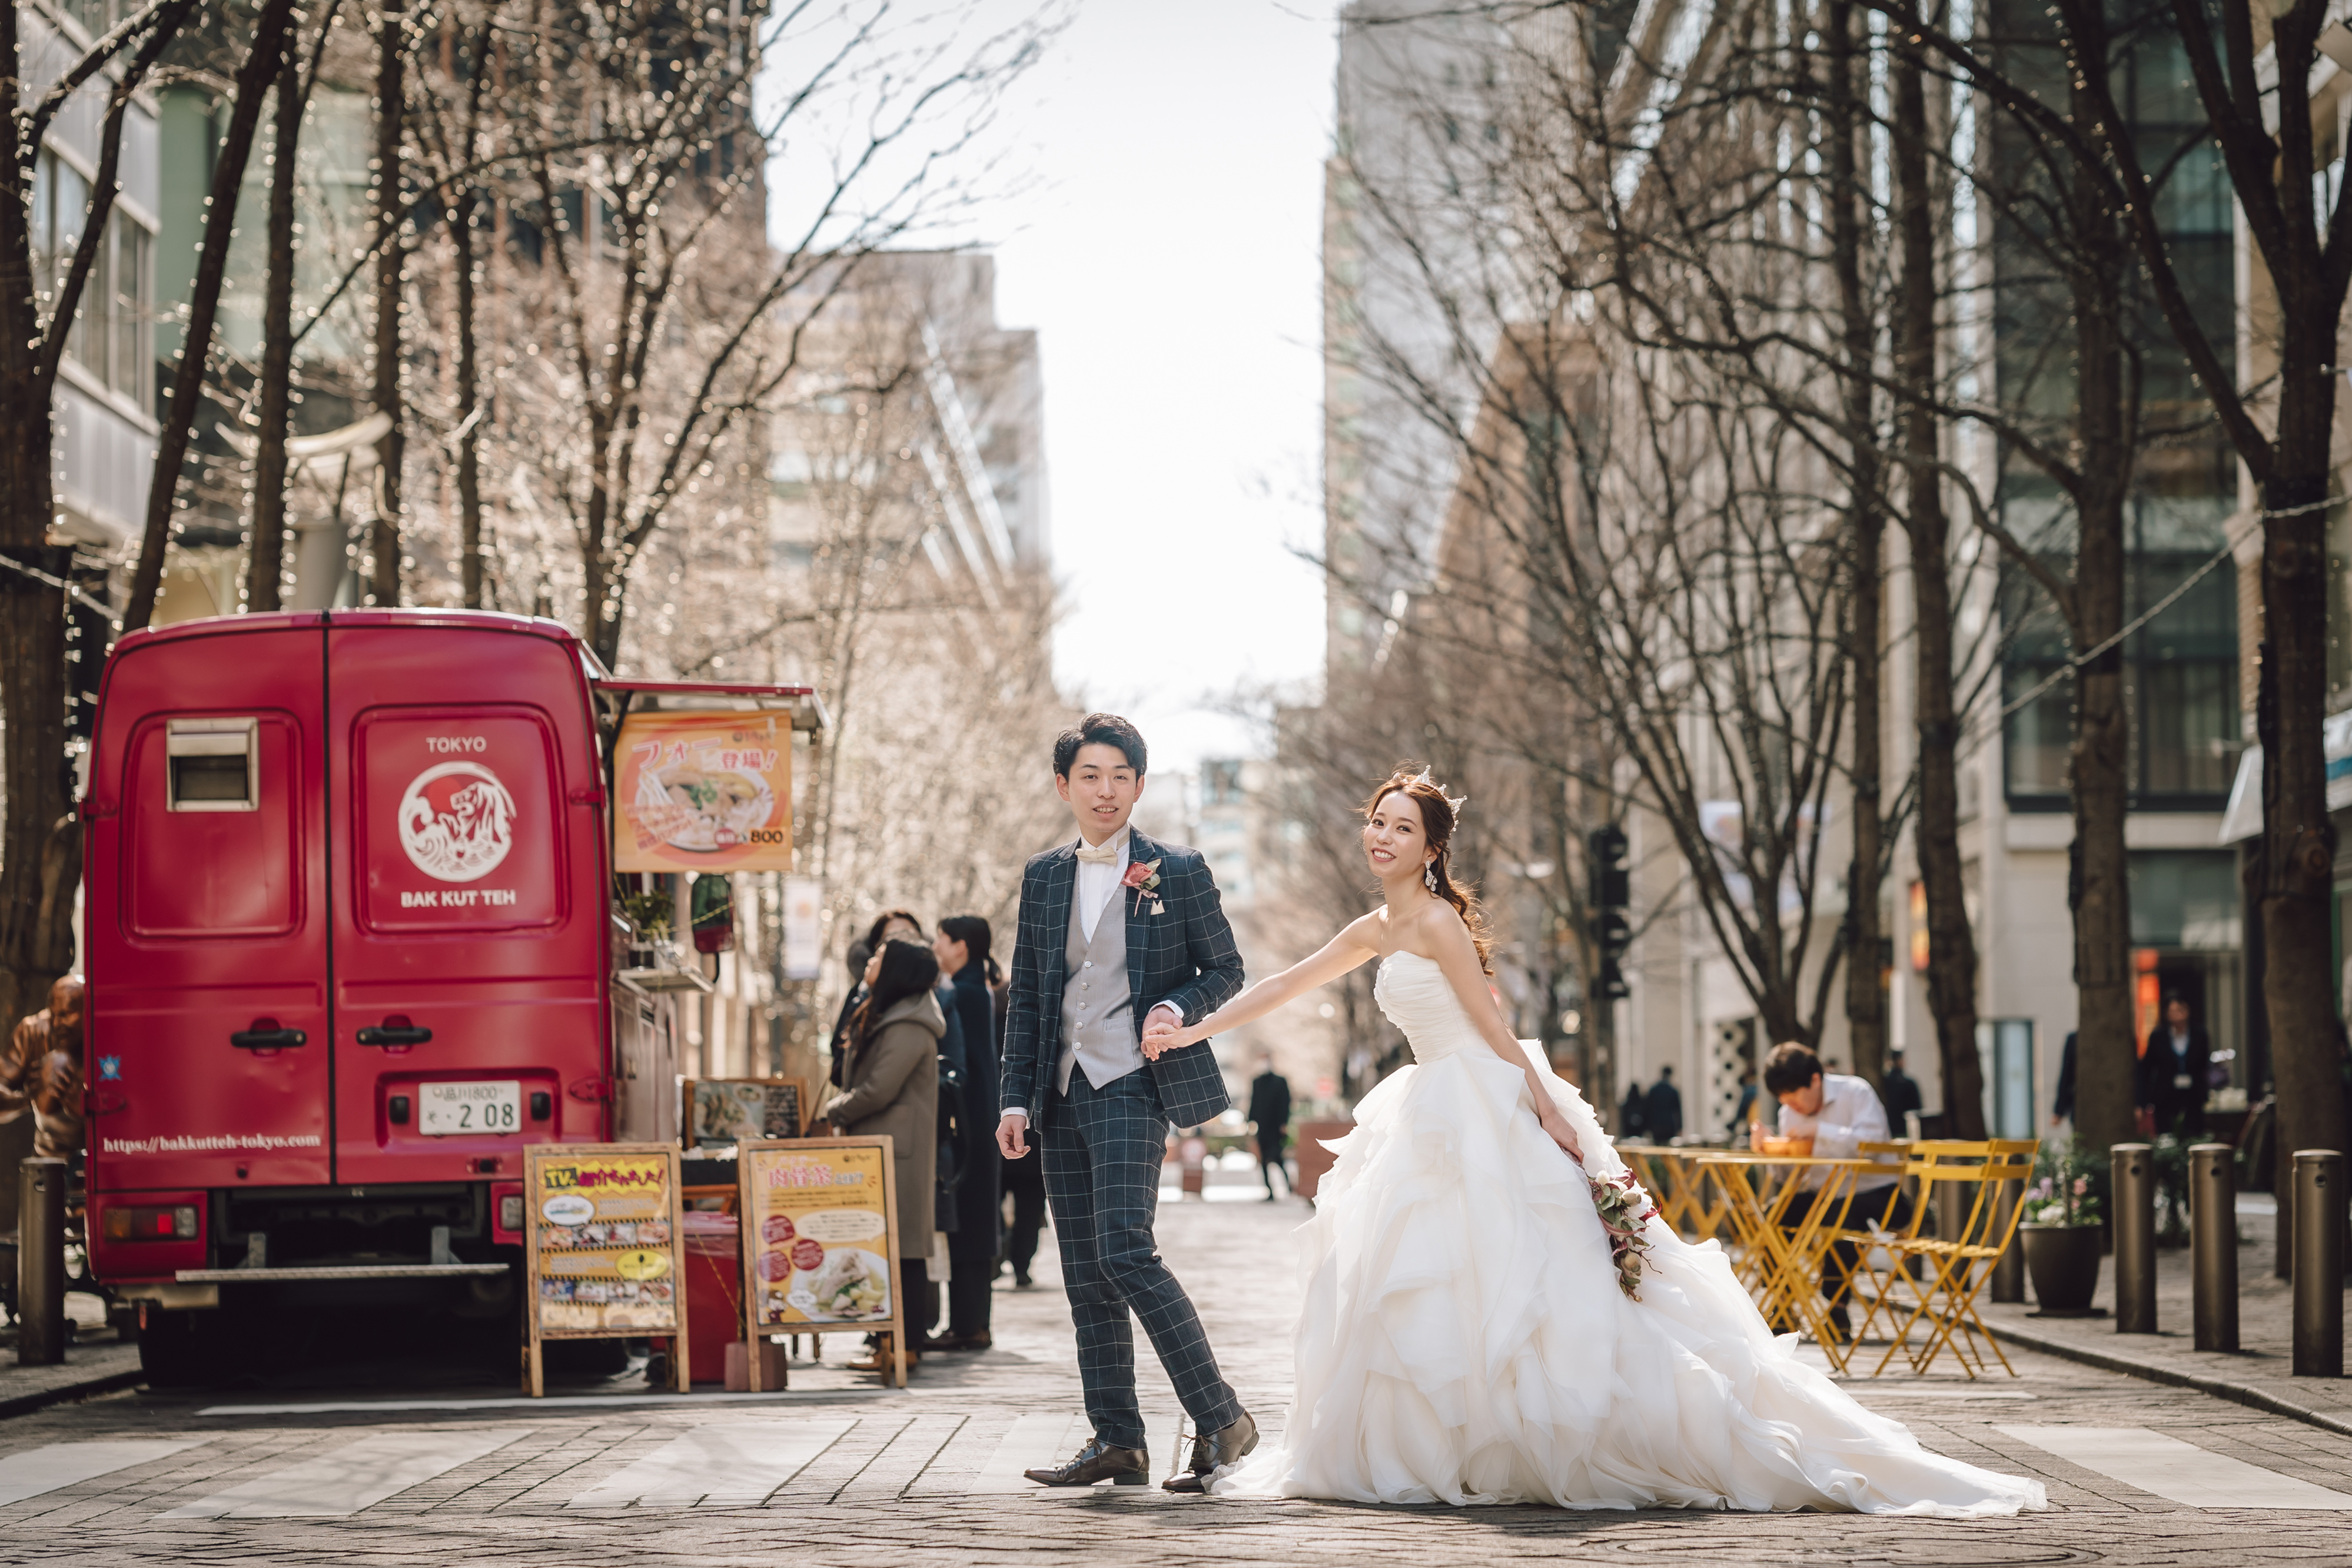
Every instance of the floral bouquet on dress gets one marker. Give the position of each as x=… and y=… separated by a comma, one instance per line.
x=1626, y=1210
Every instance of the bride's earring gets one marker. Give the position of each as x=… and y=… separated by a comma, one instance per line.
x=1429, y=876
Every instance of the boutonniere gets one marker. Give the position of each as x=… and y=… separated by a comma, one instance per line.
x=1143, y=879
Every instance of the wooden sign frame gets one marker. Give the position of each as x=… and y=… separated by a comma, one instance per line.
x=536, y=1157
x=750, y=1215
x=686, y=1131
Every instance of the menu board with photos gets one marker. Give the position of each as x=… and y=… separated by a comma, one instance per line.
x=601, y=1247
x=820, y=1228
x=721, y=1110
x=703, y=792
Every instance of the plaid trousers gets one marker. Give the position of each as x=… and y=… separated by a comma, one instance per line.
x=1103, y=1151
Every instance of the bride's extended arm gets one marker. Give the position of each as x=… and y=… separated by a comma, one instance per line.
x=1353, y=947
x=1458, y=955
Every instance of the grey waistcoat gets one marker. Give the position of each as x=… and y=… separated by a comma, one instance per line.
x=1097, y=1010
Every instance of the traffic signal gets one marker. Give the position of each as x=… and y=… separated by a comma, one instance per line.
x=1612, y=933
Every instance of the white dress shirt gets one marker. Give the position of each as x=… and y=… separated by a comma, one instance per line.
x=1098, y=880
x=1850, y=1115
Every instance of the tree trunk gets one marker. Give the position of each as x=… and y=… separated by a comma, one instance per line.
x=1866, y=995
x=2098, y=885
x=1952, y=945
x=469, y=407
x=253, y=79
x=268, y=562
x=391, y=257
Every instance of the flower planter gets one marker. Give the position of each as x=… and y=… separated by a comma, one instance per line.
x=2063, y=1261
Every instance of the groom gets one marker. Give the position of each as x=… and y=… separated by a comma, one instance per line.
x=1113, y=929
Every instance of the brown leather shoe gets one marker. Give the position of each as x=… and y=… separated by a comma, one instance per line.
x=1213, y=1450
x=978, y=1340
x=878, y=1358
x=1098, y=1461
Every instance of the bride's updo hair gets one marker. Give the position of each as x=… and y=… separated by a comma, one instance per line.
x=1413, y=779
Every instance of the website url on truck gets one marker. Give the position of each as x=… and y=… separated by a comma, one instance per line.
x=203, y=1142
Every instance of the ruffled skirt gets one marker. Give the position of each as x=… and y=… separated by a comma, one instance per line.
x=1464, y=1340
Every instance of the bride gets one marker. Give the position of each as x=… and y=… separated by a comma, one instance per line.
x=1463, y=1337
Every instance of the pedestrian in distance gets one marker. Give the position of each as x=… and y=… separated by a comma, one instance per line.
x=1117, y=929
x=1269, y=1117
x=1662, y=1108
x=893, y=1088
x=1495, y=1312
x=890, y=924
x=2171, y=1081
x=1740, y=1112
x=2061, y=1104
x=1024, y=1179
x=1899, y=1092
x=1633, y=1116
x=961, y=947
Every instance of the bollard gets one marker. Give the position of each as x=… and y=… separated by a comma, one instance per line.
x=41, y=1262
x=2132, y=1174
x=2009, y=1269
x=2318, y=1263
x=2213, y=1244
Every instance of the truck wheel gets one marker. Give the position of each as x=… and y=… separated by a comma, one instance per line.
x=171, y=1347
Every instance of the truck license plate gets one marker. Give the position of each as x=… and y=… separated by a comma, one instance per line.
x=454, y=1107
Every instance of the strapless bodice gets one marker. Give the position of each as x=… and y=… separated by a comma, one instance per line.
x=1415, y=995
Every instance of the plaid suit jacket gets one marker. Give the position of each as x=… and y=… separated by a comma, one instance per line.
x=1185, y=955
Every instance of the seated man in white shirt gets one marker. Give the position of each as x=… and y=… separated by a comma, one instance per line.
x=1839, y=1113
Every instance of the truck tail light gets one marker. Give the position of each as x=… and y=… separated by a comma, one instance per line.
x=174, y=1222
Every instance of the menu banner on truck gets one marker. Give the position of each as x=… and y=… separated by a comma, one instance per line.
x=703, y=792
x=820, y=1230
x=602, y=1240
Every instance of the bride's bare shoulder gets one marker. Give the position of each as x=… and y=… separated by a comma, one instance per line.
x=1433, y=931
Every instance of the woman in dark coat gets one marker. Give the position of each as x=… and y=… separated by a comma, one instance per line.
x=962, y=947
x=892, y=1066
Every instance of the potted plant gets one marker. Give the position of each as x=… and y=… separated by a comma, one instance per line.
x=2061, y=1231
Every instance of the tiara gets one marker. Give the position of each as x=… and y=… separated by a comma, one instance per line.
x=1453, y=804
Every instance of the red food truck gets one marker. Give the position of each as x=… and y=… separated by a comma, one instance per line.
x=352, y=942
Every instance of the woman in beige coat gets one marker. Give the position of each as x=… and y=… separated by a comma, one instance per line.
x=891, y=1086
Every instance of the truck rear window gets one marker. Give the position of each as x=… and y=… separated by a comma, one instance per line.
x=212, y=844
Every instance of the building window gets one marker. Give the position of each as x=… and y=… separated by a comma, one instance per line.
x=113, y=335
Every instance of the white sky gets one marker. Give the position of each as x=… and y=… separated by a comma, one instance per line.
x=1164, y=239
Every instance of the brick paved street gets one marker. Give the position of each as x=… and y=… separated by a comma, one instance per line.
x=839, y=1471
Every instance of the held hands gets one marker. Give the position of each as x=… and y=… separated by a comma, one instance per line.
x=1555, y=1128
x=1163, y=1033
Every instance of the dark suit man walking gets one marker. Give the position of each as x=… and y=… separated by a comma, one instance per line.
x=1270, y=1114
x=2172, y=1074
x=1662, y=1111
x=1112, y=929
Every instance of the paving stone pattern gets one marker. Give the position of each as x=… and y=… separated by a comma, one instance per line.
x=908, y=1478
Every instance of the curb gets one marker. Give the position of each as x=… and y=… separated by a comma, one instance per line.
x=2220, y=1388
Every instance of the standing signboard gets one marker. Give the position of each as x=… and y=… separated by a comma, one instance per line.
x=703, y=792
x=604, y=1254
x=820, y=1227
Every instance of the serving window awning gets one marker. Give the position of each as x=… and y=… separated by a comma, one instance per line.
x=2242, y=819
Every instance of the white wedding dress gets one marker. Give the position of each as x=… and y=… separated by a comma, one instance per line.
x=1463, y=1338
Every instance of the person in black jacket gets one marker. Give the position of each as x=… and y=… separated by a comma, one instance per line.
x=962, y=946
x=1633, y=1116
x=1270, y=1114
x=889, y=925
x=1662, y=1108
x=2173, y=1074
x=1899, y=1092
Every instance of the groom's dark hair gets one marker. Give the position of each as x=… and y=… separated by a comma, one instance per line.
x=1098, y=729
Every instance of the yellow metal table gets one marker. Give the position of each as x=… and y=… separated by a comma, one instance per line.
x=1779, y=1258
x=1688, y=1199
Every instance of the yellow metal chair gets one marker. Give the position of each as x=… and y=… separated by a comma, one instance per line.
x=1944, y=1300
x=1869, y=1237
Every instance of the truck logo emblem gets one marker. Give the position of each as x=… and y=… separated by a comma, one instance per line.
x=109, y=1066
x=456, y=821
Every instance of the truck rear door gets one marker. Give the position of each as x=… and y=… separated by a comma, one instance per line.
x=207, y=1054
x=469, y=929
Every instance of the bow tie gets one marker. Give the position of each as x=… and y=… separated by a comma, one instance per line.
x=1106, y=855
